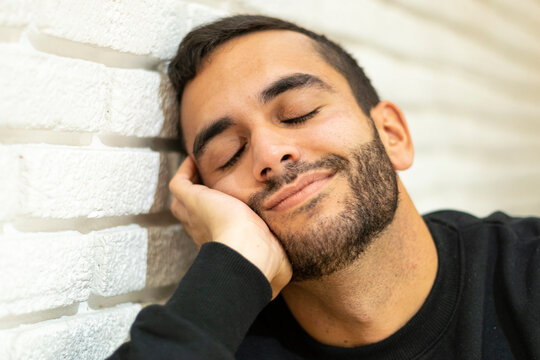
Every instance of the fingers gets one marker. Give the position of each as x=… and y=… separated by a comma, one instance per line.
x=178, y=210
x=188, y=170
x=185, y=177
x=194, y=228
x=184, y=191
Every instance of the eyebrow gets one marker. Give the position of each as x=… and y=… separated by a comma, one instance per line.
x=208, y=132
x=286, y=83
x=290, y=82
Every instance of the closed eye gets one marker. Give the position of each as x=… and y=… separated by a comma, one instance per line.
x=303, y=118
x=233, y=159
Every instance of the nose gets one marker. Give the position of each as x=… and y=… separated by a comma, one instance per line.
x=271, y=152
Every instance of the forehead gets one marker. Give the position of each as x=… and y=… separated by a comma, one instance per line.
x=231, y=78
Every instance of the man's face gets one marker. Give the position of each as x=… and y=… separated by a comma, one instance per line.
x=269, y=122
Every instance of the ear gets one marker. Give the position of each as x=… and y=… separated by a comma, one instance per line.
x=394, y=133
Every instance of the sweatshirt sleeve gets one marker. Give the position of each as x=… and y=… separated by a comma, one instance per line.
x=208, y=315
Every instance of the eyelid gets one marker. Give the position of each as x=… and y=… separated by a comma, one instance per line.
x=233, y=159
x=302, y=118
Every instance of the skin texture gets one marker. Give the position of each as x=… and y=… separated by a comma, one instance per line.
x=368, y=297
x=330, y=242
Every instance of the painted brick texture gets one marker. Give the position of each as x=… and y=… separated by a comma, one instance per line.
x=92, y=335
x=88, y=146
x=88, y=141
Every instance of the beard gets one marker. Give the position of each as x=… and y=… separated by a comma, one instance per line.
x=328, y=243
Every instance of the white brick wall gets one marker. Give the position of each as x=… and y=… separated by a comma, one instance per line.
x=88, y=335
x=86, y=148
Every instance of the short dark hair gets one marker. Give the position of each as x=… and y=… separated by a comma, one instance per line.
x=203, y=40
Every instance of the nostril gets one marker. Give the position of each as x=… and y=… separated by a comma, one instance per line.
x=285, y=157
x=265, y=171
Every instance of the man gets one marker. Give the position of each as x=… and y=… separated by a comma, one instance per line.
x=289, y=188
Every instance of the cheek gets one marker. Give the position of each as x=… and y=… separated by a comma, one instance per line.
x=340, y=130
x=234, y=186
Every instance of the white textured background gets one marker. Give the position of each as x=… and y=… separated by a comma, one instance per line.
x=86, y=149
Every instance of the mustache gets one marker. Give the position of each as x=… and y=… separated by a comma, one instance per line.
x=291, y=171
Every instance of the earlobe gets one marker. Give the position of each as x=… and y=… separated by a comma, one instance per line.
x=394, y=134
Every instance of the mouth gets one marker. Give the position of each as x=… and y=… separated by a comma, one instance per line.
x=299, y=191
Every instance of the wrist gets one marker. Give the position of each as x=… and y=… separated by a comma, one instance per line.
x=257, y=252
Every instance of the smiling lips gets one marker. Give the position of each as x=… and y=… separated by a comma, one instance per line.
x=299, y=191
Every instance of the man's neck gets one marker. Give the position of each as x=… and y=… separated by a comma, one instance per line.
x=372, y=299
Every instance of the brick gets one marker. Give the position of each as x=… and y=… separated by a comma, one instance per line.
x=139, y=27
x=170, y=253
x=170, y=108
x=92, y=335
x=200, y=14
x=479, y=200
x=480, y=20
x=432, y=130
x=65, y=94
x=388, y=27
x=15, y=13
x=168, y=165
x=135, y=105
x=50, y=92
x=69, y=182
x=417, y=85
x=9, y=183
x=524, y=13
x=474, y=181
x=120, y=260
x=43, y=271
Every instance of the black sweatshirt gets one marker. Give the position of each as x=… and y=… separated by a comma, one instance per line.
x=484, y=304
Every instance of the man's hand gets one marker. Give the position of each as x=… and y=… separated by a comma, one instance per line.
x=210, y=215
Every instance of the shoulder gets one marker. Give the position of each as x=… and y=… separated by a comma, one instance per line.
x=527, y=228
x=503, y=248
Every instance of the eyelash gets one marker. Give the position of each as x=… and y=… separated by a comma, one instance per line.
x=234, y=159
x=301, y=119
x=293, y=121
